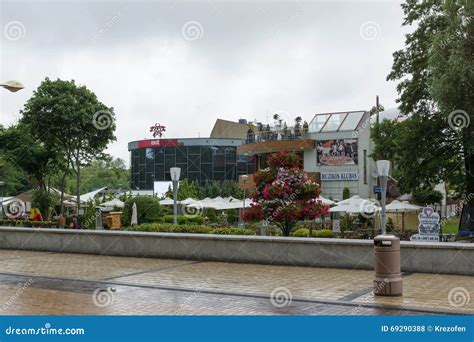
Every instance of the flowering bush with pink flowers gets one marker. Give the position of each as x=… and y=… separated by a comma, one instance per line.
x=285, y=194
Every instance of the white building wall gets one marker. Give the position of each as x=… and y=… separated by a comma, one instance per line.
x=333, y=189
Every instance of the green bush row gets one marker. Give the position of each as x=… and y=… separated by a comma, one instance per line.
x=182, y=219
x=24, y=223
x=189, y=228
x=322, y=233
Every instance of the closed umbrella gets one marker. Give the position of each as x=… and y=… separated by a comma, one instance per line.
x=134, y=220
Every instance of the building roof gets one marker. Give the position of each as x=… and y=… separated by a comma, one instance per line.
x=229, y=130
x=335, y=122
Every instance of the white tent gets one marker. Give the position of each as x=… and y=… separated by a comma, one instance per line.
x=167, y=201
x=356, y=205
x=235, y=204
x=325, y=201
x=401, y=207
x=90, y=195
x=397, y=206
x=113, y=203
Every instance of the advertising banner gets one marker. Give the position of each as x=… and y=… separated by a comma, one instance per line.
x=336, y=152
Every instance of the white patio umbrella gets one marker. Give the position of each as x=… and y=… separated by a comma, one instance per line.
x=351, y=200
x=326, y=201
x=167, y=201
x=355, y=206
x=134, y=219
x=401, y=207
x=235, y=204
x=397, y=206
x=113, y=203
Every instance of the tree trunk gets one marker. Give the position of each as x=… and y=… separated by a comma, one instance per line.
x=63, y=185
x=467, y=216
x=78, y=186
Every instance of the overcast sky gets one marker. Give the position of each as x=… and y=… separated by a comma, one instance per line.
x=184, y=64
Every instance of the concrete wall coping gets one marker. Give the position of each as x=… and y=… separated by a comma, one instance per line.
x=272, y=239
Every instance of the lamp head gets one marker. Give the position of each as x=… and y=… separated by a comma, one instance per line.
x=383, y=167
x=175, y=173
x=12, y=86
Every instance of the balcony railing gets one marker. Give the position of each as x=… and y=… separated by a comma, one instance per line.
x=273, y=135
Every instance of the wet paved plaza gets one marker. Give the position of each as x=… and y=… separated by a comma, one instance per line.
x=42, y=283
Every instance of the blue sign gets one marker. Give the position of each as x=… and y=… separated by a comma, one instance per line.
x=377, y=189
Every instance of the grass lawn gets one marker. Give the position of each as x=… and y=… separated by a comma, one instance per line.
x=452, y=226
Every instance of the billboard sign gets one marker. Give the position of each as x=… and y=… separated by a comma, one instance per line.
x=336, y=152
x=429, y=226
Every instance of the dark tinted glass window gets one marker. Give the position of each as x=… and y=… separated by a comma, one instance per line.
x=206, y=155
x=159, y=155
x=194, y=150
x=219, y=163
x=170, y=150
x=181, y=156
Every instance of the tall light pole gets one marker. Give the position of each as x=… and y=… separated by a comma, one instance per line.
x=244, y=180
x=175, y=174
x=12, y=86
x=383, y=167
x=1, y=200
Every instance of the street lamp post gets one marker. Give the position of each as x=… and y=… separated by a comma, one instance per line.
x=175, y=174
x=244, y=180
x=383, y=167
x=12, y=86
x=1, y=200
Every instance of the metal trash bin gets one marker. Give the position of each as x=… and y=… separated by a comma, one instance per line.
x=388, y=278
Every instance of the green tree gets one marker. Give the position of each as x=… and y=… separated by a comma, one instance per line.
x=148, y=209
x=109, y=172
x=436, y=70
x=21, y=150
x=70, y=120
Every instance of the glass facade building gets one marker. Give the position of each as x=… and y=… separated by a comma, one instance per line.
x=200, y=159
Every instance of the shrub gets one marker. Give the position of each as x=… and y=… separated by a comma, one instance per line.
x=190, y=228
x=182, y=219
x=323, y=233
x=346, y=193
x=195, y=219
x=148, y=210
x=233, y=231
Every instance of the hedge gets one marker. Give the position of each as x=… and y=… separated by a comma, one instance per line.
x=322, y=233
x=24, y=223
x=189, y=228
